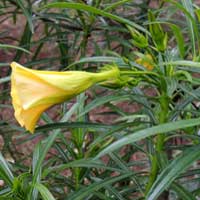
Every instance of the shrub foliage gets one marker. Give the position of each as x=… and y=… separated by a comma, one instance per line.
x=138, y=140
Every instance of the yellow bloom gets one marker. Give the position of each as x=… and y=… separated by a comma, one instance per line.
x=34, y=91
x=146, y=61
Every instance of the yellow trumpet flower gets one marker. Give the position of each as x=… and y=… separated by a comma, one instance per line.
x=34, y=91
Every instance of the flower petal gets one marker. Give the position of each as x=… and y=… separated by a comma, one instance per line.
x=34, y=91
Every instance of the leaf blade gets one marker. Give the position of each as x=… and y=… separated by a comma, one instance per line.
x=161, y=129
x=176, y=167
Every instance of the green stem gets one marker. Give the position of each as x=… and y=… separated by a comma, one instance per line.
x=138, y=73
x=164, y=104
x=160, y=142
x=113, y=73
x=152, y=176
x=79, y=134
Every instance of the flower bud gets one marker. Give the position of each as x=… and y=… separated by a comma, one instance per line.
x=159, y=37
x=138, y=39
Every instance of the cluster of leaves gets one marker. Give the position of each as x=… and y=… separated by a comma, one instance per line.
x=150, y=153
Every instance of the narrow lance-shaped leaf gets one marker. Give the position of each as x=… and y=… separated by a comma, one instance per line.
x=83, y=7
x=86, y=191
x=45, y=193
x=5, y=172
x=139, y=135
x=44, y=149
x=181, y=192
x=8, y=46
x=26, y=13
x=36, y=156
x=176, y=167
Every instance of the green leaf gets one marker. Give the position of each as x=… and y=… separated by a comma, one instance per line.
x=88, y=190
x=182, y=63
x=27, y=13
x=191, y=25
x=116, y=4
x=59, y=125
x=5, y=79
x=181, y=192
x=98, y=59
x=43, y=151
x=176, y=167
x=7, y=46
x=102, y=100
x=179, y=38
x=4, y=64
x=66, y=125
x=5, y=172
x=89, y=163
x=139, y=135
x=45, y=193
x=36, y=155
x=90, y=9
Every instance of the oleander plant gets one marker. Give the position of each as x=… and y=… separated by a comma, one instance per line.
x=99, y=100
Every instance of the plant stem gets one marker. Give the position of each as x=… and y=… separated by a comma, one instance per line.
x=163, y=117
x=79, y=134
x=153, y=173
x=160, y=141
x=138, y=73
